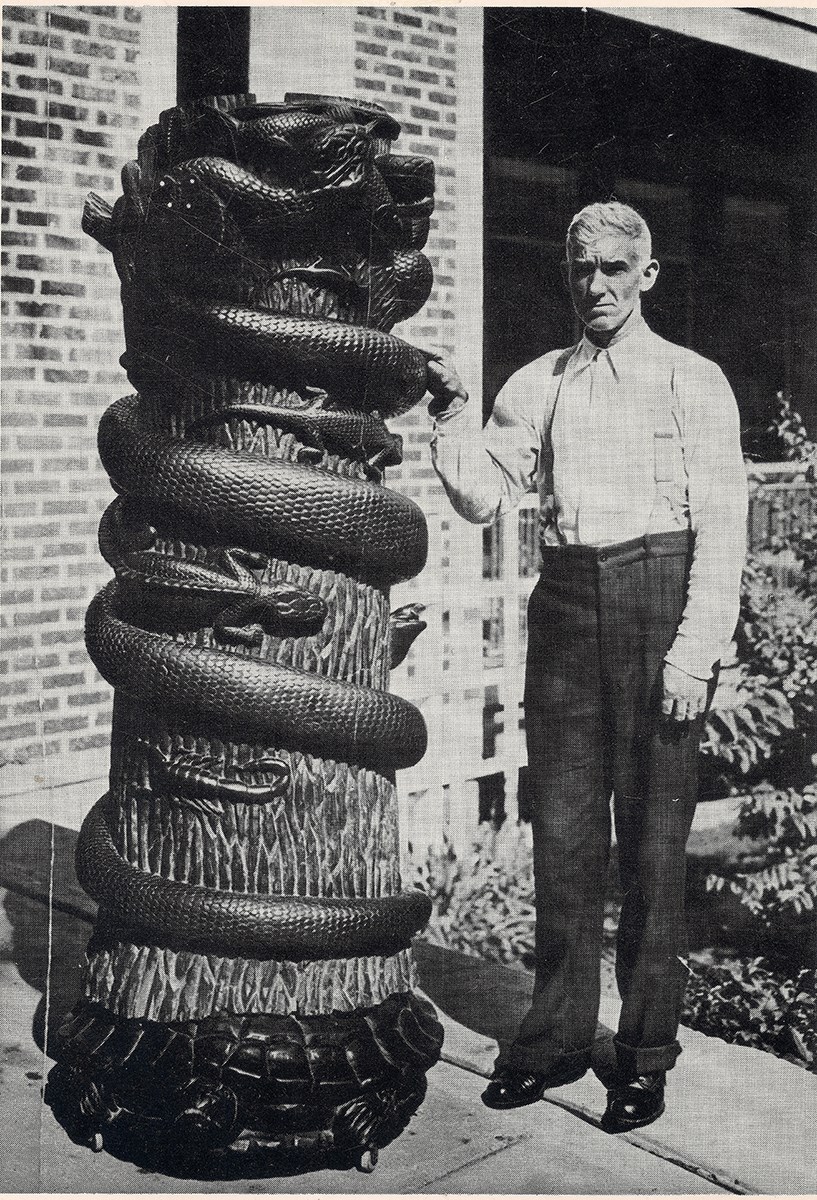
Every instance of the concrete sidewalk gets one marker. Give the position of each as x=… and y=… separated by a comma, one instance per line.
x=736, y=1116
x=453, y=1145
x=737, y=1120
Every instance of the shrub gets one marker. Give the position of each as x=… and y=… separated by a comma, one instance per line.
x=780, y=879
x=772, y=730
x=769, y=738
x=743, y=1002
x=484, y=899
x=778, y=639
x=746, y=735
x=787, y=425
x=484, y=905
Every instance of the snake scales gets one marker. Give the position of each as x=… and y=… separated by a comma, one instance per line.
x=232, y=187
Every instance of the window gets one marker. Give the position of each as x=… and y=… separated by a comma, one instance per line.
x=492, y=727
x=492, y=551
x=528, y=543
x=493, y=632
x=729, y=200
x=492, y=799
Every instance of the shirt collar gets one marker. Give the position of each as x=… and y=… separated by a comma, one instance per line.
x=624, y=343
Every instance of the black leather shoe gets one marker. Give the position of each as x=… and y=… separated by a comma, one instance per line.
x=511, y=1089
x=637, y=1102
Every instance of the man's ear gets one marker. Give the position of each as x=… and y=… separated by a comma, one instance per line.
x=649, y=275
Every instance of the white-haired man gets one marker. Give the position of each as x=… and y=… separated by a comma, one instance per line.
x=634, y=445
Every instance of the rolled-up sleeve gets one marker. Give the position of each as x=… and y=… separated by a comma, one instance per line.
x=718, y=501
x=486, y=474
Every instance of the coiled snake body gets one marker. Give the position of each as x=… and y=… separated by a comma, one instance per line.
x=296, y=243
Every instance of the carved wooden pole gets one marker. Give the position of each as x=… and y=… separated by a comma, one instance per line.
x=249, y=981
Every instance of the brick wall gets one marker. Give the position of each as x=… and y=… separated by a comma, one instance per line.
x=424, y=65
x=71, y=116
x=76, y=99
x=406, y=61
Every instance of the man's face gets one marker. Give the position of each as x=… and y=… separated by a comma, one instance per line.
x=606, y=278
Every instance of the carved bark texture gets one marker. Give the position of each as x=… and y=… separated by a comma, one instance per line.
x=257, y=246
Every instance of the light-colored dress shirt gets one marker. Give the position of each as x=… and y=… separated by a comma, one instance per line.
x=642, y=437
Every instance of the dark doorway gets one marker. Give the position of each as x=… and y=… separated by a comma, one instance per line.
x=715, y=147
x=492, y=799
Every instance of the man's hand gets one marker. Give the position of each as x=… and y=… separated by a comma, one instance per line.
x=442, y=381
x=684, y=696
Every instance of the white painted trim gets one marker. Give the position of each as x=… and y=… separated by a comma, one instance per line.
x=157, y=64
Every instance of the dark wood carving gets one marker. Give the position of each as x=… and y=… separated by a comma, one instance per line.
x=249, y=981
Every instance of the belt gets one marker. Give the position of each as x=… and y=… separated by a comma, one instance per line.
x=675, y=542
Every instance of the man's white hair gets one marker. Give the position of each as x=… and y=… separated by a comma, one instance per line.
x=595, y=220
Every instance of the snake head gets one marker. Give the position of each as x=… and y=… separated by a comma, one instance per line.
x=388, y=454
x=278, y=608
x=186, y=215
x=405, y=626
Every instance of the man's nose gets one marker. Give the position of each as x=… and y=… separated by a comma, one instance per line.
x=596, y=284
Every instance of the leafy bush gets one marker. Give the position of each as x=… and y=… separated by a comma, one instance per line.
x=484, y=905
x=772, y=730
x=778, y=639
x=787, y=425
x=743, y=1002
x=769, y=738
x=747, y=734
x=780, y=879
x=483, y=900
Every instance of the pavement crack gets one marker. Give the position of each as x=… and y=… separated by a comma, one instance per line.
x=508, y=1141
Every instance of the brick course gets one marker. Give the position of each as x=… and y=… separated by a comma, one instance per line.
x=70, y=77
x=72, y=116
x=397, y=64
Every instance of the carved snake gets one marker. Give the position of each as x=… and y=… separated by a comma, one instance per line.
x=298, y=169
x=186, y=916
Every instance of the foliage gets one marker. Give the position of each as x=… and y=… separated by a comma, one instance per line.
x=483, y=900
x=780, y=879
x=787, y=425
x=742, y=1001
x=777, y=638
x=776, y=708
x=770, y=736
x=749, y=733
x=771, y=727
x=484, y=905
x=804, y=546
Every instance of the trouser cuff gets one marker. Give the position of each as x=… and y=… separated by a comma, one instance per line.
x=642, y=1060
x=541, y=1062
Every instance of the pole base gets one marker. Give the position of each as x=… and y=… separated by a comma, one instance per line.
x=293, y=1089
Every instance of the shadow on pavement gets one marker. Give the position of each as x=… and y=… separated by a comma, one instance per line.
x=25, y=869
x=37, y=868
x=491, y=998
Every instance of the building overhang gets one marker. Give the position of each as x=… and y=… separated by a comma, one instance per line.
x=784, y=35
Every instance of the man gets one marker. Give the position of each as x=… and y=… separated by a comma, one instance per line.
x=634, y=446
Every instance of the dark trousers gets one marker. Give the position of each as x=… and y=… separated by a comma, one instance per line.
x=599, y=625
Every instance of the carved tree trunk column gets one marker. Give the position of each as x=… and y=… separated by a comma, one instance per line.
x=249, y=979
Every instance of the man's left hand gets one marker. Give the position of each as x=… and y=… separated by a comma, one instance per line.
x=684, y=696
